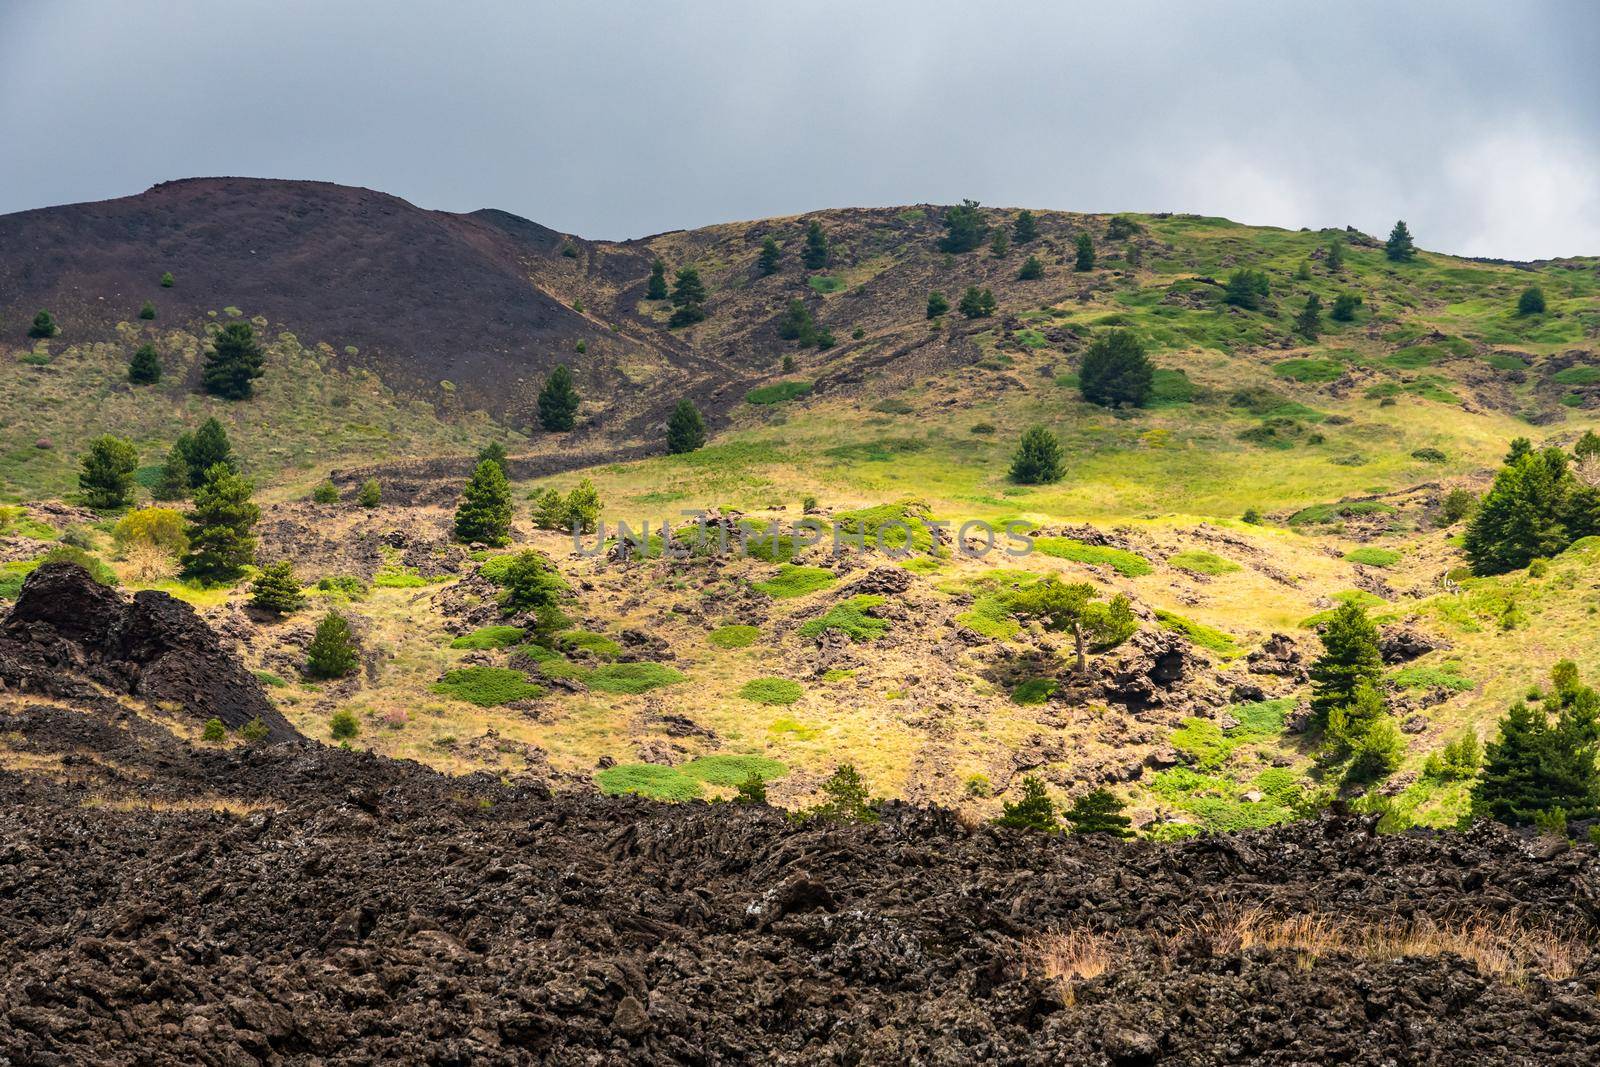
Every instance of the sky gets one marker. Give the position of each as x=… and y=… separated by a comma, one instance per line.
x=1477, y=122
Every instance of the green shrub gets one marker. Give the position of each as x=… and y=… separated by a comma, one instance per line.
x=344, y=725
x=370, y=495
x=729, y=770
x=325, y=493
x=1433, y=676
x=734, y=636
x=254, y=730
x=1033, y=691
x=778, y=392
x=647, y=780
x=486, y=687
x=332, y=652
x=793, y=580
x=343, y=585
x=631, y=678
x=591, y=642
x=851, y=617
x=214, y=733
x=1373, y=557
x=1202, y=562
x=490, y=637
x=772, y=691
x=1127, y=564
x=1201, y=634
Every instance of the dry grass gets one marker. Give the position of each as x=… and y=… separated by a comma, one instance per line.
x=1072, y=956
x=227, y=805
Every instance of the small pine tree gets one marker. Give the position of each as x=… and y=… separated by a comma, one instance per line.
x=106, y=474
x=1034, y=810
x=145, y=366
x=332, y=652
x=343, y=724
x=254, y=730
x=495, y=452
x=277, y=590
x=1099, y=812
x=1032, y=270
x=688, y=298
x=797, y=323
x=686, y=430
x=1344, y=307
x=1246, y=289
x=1537, y=766
x=44, y=325
x=656, y=287
x=767, y=261
x=583, y=507
x=221, y=528
x=1116, y=372
x=1350, y=660
x=752, y=789
x=531, y=582
x=1531, y=302
x=148, y=311
x=1309, y=322
x=214, y=733
x=558, y=401
x=325, y=493
x=964, y=227
x=166, y=280
x=204, y=449
x=1335, y=257
x=550, y=511
x=1025, y=228
x=937, y=304
x=1588, y=446
x=1303, y=272
x=1084, y=256
x=173, y=484
x=1000, y=244
x=1399, y=247
x=1037, y=460
x=847, y=799
x=234, y=363
x=816, y=253
x=1534, y=510
x=977, y=303
x=485, y=512
x=370, y=495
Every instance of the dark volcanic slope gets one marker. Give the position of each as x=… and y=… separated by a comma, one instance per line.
x=425, y=295
x=386, y=914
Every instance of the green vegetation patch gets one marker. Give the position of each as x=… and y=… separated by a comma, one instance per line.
x=825, y=283
x=1202, y=743
x=734, y=635
x=1308, y=370
x=1262, y=718
x=1445, y=675
x=1317, y=514
x=1128, y=564
x=490, y=637
x=852, y=618
x=1033, y=691
x=794, y=580
x=772, y=690
x=630, y=678
x=1202, y=562
x=1373, y=557
x=589, y=641
x=1205, y=636
x=1577, y=376
x=778, y=392
x=730, y=770
x=486, y=687
x=890, y=526
x=647, y=780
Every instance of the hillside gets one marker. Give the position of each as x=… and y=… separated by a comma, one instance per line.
x=1342, y=450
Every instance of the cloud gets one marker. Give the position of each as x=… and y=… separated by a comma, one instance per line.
x=1522, y=194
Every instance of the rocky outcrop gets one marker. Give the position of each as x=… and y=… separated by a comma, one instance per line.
x=1401, y=644
x=68, y=635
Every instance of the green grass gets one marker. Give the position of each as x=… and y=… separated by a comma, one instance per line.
x=786, y=727
x=1445, y=675
x=1202, y=635
x=778, y=392
x=1202, y=743
x=1033, y=691
x=1264, y=717
x=1373, y=557
x=825, y=283
x=630, y=678
x=588, y=641
x=1318, y=514
x=647, y=780
x=1127, y=564
x=1577, y=376
x=730, y=770
x=489, y=637
x=890, y=527
x=1202, y=562
x=486, y=687
x=850, y=617
x=772, y=691
x=734, y=635
x=1308, y=370
x=793, y=580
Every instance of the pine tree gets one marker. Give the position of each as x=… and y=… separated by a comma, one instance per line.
x=145, y=366
x=797, y=323
x=1534, y=510
x=1025, y=228
x=233, y=364
x=1302, y=273
x=332, y=652
x=1034, y=810
x=485, y=512
x=937, y=304
x=1309, y=322
x=1531, y=302
x=977, y=303
x=325, y=493
x=767, y=261
x=1071, y=607
x=688, y=298
x=106, y=477
x=1399, y=247
x=531, y=582
x=583, y=507
x=148, y=311
x=1084, y=259
x=1335, y=257
x=1032, y=270
x=1037, y=460
x=276, y=589
x=174, y=481
x=558, y=401
x=964, y=228
x=1350, y=659
x=495, y=452
x=816, y=254
x=1344, y=307
x=166, y=280
x=1537, y=767
x=221, y=527
x=847, y=801
x=1363, y=731
x=370, y=495
x=550, y=511
x=1099, y=812
x=686, y=430
x=204, y=449
x=1588, y=445
x=1116, y=372
x=1000, y=244
x=1246, y=289
x=656, y=287
x=44, y=325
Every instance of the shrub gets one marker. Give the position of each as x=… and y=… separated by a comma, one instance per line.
x=1037, y=460
x=157, y=528
x=254, y=730
x=486, y=687
x=1083, y=252
x=964, y=228
x=591, y=642
x=343, y=724
x=1025, y=228
x=332, y=652
x=686, y=430
x=647, y=780
x=558, y=402
x=277, y=590
x=370, y=493
x=1344, y=307
x=1115, y=371
x=1246, y=289
x=326, y=493
x=1531, y=302
x=106, y=476
x=166, y=280
x=630, y=678
x=1032, y=270
x=148, y=311
x=729, y=770
x=734, y=636
x=851, y=618
x=490, y=637
x=345, y=586
x=766, y=262
x=1033, y=691
x=1099, y=812
x=1121, y=228
x=1034, y=810
x=44, y=325
x=531, y=582
x=1128, y=564
x=1373, y=557
x=937, y=305
x=1201, y=562
x=977, y=303
x=847, y=799
x=145, y=366
x=656, y=287
x=214, y=732
x=772, y=691
x=752, y=789
x=778, y=392
x=233, y=363
x=793, y=580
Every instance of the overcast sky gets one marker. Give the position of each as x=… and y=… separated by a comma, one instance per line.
x=1478, y=122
